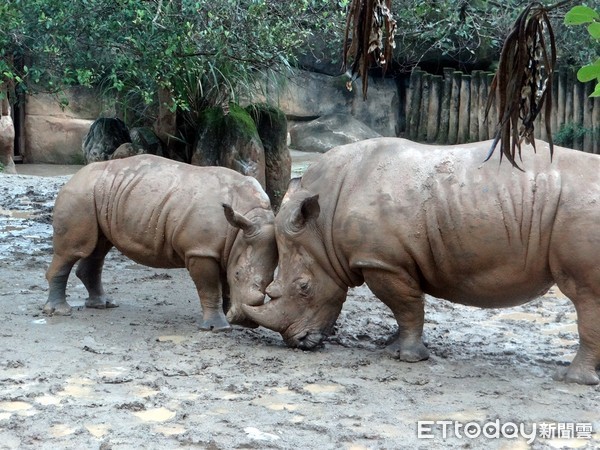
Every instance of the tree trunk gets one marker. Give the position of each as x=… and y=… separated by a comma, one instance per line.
x=165, y=126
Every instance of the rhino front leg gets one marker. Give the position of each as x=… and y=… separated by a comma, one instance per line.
x=57, y=276
x=205, y=273
x=402, y=295
x=89, y=271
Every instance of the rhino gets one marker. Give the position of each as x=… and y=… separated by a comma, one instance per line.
x=411, y=219
x=215, y=222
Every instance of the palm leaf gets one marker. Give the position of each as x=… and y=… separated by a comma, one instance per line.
x=372, y=28
x=523, y=82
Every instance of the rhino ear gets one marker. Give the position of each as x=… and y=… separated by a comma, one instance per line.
x=237, y=220
x=308, y=210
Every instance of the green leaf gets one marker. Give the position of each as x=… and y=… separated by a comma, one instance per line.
x=589, y=72
x=596, y=92
x=594, y=30
x=579, y=15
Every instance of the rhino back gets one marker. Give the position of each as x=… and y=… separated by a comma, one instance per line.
x=159, y=212
x=460, y=226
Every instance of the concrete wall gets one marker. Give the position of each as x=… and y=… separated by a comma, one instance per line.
x=53, y=134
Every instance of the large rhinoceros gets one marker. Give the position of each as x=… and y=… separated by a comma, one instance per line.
x=410, y=219
x=213, y=221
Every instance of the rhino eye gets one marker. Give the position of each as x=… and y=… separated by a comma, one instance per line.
x=304, y=287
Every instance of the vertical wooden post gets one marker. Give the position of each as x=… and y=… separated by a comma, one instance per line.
x=569, y=104
x=433, y=115
x=588, y=111
x=483, y=95
x=577, y=114
x=463, y=113
x=474, y=107
x=554, y=93
x=493, y=113
x=413, y=108
x=424, y=108
x=454, y=108
x=560, y=104
x=442, y=136
x=596, y=122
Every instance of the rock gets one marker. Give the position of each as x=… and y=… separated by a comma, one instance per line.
x=271, y=125
x=307, y=95
x=127, y=149
x=328, y=131
x=104, y=137
x=148, y=140
x=7, y=144
x=230, y=140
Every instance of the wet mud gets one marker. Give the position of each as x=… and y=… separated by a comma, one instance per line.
x=143, y=376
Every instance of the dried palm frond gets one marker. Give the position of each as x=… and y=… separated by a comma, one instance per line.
x=524, y=82
x=369, y=21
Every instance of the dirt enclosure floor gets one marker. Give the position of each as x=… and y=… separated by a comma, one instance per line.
x=142, y=376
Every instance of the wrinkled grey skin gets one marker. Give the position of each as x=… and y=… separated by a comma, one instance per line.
x=410, y=219
x=213, y=221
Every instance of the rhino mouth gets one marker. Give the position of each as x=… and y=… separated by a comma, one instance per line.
x=307, y=340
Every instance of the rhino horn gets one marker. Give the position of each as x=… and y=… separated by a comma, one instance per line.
x=270, y=315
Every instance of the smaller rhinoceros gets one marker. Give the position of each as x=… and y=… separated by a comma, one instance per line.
x=213, y=221
x=409, y=219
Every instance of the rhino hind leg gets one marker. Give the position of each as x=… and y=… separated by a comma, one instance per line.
x=402, y=295
x=89, y=271
x=57, y=276
x=582, y=369
x=205, y=273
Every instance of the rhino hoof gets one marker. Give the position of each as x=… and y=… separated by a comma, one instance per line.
x=58, y=309
x=215, y=322
x=408, y=353
x=206, y=326
x=99, y=303
x=572, y=374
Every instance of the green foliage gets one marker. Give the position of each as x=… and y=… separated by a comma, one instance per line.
x=584, y=15
x=204, y=52
x=1, y=167
x=569, y=133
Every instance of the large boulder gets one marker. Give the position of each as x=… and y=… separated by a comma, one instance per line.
x=126, y=150
x=271, y=124
x=328, y=131
x=103, y=138
x=146, y=138
x=230, y=139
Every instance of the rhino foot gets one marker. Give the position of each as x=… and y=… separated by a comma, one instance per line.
x=215, y=321
x=57, y=309
x=572, y=374
x=408, y=350
x=100, y=303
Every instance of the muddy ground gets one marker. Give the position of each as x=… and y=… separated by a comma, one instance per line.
x=142, y=376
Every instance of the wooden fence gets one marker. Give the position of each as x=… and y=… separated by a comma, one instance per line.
x=450, y=109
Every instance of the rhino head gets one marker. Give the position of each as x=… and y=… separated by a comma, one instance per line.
x=251, y=263
x=305, y=297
